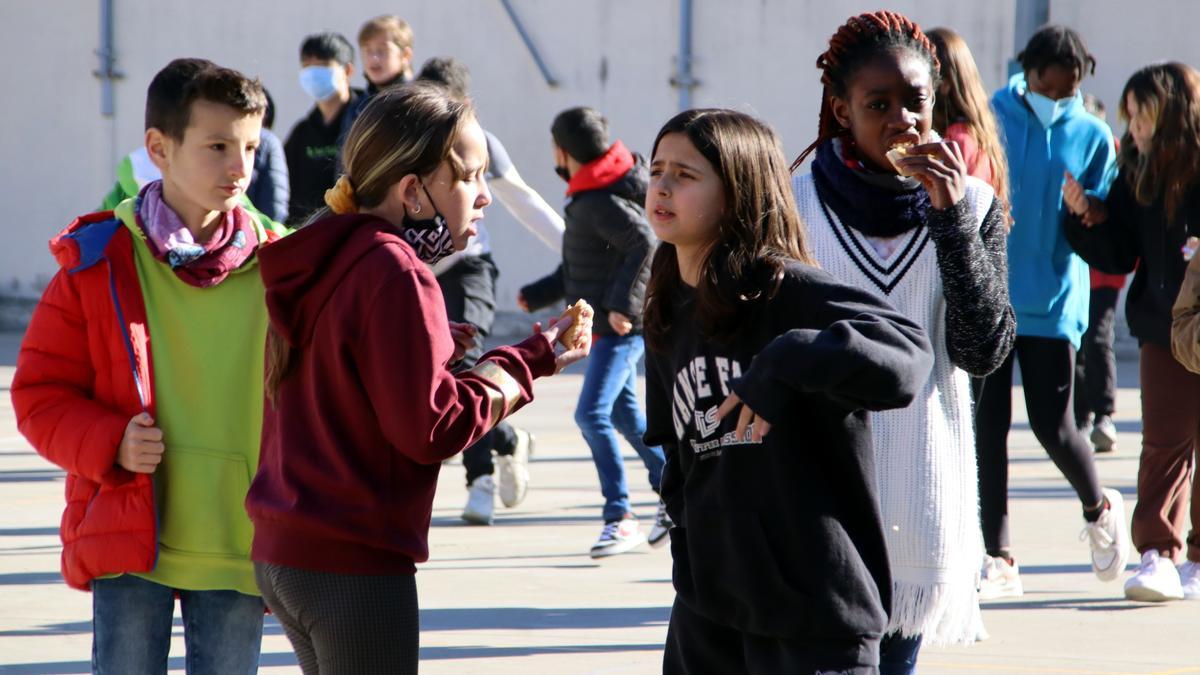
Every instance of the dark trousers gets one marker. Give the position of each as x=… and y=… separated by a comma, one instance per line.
x=469, y=290
x=1167, y=480
x=1096, y=363
x=345, y=623
x=898, y=655
x=1047, y=371
x=698, y=646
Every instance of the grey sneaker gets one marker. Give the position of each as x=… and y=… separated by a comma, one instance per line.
x=618, y=537
x=1104, y=434
x=481, y=501
x=662, y=527
x=514, y=470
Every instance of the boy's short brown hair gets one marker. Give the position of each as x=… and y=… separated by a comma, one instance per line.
x=395, y=29
x=172, y=91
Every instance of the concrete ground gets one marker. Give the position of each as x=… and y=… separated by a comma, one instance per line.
x=523, y=596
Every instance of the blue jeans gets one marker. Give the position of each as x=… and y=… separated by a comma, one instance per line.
x=131, y=628
x=898, y=655
x=607, y=404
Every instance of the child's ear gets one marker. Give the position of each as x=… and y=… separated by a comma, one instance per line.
x=841, y=110
x=156, y=147
x=410, y=193
x=349, y=71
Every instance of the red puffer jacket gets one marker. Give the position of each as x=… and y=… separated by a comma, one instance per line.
x=83, y=371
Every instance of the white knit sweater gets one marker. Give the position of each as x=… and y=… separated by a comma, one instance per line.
x=925, y=453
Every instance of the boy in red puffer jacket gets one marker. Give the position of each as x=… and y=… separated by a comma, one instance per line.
x=141, y=375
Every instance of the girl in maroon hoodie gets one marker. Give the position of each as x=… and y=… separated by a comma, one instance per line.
x=363, y=406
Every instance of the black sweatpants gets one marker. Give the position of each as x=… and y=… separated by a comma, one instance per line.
x=1047, y=372
x=698, y=646
x=1096, y=363
x=469, y=291
x=345, y=623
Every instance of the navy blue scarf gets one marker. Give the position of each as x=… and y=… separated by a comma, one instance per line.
x=876, y=204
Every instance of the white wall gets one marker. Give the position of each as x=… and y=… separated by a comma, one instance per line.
x=1126, y=36
x=618, y=55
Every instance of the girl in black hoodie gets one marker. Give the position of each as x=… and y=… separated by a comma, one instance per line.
x=1151, y=209
x=760, y=372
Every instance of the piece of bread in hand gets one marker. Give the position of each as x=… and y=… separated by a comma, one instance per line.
x=896, y=153
x=582, y=313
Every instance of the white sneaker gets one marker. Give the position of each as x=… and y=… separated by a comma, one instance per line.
x=1000, y=579
x=1109, y=538
x=662, y=526
x=481, y=501
x=1156, y=580
x=1189, y=578
x=617, y=537
x=514, y=470
x=1104, y=434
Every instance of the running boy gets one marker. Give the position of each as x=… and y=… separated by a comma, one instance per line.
x=606, y=261
x=159, y=444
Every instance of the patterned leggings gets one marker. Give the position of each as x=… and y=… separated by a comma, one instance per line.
x=342, y=623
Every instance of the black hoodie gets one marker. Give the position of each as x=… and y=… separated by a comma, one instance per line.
x=1140, y=238
x=784, y=538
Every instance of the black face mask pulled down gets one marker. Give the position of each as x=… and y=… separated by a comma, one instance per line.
x=563, y=173
x=431, y=238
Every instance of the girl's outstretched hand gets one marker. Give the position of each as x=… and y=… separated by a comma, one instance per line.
x=941, y=169
x=747, y=418
x=583, y=345
x=1088, y=209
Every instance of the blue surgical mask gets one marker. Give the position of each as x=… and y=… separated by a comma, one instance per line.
x=319, y=82
x=1048, y=110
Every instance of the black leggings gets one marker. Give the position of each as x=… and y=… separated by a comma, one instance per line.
x=1047, y=372
x=344, y=623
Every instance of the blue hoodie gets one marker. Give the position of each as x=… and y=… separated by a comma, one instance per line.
x=1048, y=283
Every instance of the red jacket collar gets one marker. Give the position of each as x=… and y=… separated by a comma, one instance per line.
x=602, y=171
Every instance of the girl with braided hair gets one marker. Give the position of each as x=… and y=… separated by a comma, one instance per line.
x=890, y=208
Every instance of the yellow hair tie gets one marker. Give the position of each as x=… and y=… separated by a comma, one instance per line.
x=340, y=197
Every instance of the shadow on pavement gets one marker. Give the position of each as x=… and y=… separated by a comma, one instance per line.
x=31, y=475
x=535, y=618
x=30, y=578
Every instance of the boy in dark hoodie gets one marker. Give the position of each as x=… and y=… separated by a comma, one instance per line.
x=606, y=261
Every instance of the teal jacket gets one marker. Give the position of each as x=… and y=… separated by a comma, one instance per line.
x=1047, y=282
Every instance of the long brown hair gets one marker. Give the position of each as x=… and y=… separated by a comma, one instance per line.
x=1171, y=167
x=759, y=233
x=408, y=129
x=856, y=42
x=966, y=100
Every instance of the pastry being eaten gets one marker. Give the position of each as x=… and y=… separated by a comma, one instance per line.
x=582, y=313
x=898, y=152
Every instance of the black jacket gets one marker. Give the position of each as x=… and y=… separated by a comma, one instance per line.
x=784, y=538
x=607, y=247
x=1134, y=232
x=312, y=150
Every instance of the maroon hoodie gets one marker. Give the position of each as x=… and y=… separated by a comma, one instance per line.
x=368, y=410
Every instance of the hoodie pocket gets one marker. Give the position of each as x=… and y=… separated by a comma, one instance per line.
x=201, y=495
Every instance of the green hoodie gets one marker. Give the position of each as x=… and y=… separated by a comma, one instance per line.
x=207, y=347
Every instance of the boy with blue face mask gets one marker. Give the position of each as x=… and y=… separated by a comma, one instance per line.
x=1046, y=132
x=326, y=64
